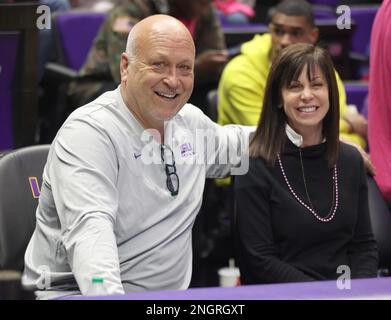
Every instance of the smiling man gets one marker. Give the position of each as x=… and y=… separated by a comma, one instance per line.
x=106, y=211
x=157, y=83
x=100, y=71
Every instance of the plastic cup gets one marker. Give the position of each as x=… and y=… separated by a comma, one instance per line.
x=229, y=277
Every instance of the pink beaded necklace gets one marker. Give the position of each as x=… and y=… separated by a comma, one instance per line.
x=310, y=207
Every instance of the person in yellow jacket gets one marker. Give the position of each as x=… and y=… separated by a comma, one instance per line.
x=242, y=84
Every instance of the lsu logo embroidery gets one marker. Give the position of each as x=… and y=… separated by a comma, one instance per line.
x=34, y=185
x=186, y=149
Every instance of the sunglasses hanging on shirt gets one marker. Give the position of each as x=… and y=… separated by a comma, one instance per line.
x=168, y=160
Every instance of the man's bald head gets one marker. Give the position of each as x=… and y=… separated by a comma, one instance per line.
x=151, y=28
x=157, y=71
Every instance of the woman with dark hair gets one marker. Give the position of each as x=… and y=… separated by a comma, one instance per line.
x=302, y=209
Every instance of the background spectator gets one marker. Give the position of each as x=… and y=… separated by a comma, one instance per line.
x=379, y=104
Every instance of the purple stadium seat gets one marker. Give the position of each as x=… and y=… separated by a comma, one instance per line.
x=236, y=35
x=332, y=3
x=364, y=108
x=9, y=47
x=356, y=93
x=323, y=12
x=220, y=16
x=76, y=32
x=363, y=16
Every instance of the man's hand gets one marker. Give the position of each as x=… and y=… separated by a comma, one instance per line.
x=367, y=160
